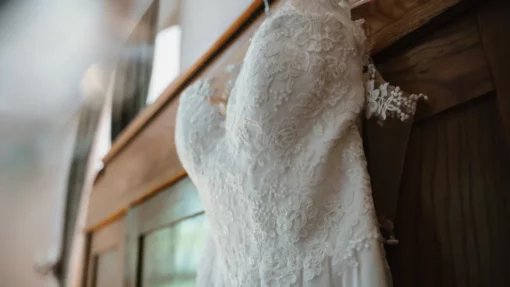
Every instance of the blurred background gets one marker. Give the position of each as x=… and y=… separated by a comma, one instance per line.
x=73, y=74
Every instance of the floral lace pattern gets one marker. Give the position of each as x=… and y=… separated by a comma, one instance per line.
x=388, y=102
x=283, y=176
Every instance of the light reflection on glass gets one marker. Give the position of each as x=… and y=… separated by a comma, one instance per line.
x=172, y=255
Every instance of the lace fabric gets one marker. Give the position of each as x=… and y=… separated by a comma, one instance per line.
x=323, y=7
x=283, y=176
x=385, y=101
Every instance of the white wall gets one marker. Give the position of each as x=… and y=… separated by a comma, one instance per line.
x=203, y=22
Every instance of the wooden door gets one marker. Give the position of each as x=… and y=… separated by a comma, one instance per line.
x=106, y=257
x=166, y=237
x=454, y=200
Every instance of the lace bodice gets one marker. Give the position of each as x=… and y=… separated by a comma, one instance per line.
x=283, y=176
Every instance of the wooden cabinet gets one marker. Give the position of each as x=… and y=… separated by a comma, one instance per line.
x=451, y=210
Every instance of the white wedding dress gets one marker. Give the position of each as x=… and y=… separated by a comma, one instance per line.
x=283, y=176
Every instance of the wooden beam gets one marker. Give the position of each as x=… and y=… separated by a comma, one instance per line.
x=450, y=67
x=388, y=21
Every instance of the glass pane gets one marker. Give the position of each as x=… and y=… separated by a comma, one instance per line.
x=165, y=66
x=171, y=255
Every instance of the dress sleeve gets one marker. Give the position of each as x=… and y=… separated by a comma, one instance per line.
x=388, y=123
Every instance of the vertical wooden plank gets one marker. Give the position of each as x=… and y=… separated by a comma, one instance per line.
x=452, y=220
x=494, y=25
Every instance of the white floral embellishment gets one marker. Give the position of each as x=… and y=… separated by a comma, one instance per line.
x=387, y=101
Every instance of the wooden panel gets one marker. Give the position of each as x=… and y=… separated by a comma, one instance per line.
x=494, y=21
x=390, y=20
x=450, y=67
x=171, y=255
x=159, y=223
x=455, y=202
x=131, y=176
x=106, y=256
